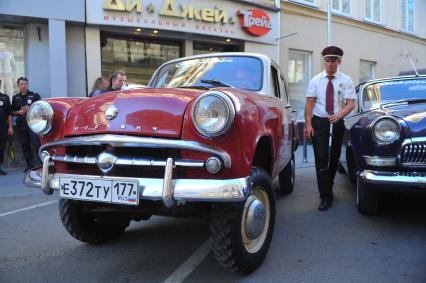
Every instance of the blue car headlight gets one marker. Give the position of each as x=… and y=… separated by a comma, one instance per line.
x=386, y=130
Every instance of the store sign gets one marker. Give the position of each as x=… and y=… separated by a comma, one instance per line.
x=230, y=19
x=255, y=22
x=123, y=6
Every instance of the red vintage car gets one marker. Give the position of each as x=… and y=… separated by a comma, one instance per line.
x=205, y=138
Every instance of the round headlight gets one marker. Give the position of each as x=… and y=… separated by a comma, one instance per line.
x=213, y=113
x=39, y=117
x=386, y=130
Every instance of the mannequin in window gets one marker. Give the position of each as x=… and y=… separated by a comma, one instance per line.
x=7, y=70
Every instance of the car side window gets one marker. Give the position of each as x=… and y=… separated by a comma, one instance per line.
x=273, y=83
x=283, y=90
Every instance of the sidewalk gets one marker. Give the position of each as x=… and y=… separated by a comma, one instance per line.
x=299, y=157
x=12, y=184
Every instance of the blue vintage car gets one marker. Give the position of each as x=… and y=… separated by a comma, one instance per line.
x=386, y=148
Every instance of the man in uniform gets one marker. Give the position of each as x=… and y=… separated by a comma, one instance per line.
x=6, y=127
x=21, y=102
x=330, y=97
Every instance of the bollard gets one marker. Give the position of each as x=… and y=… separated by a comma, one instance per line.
x=305, y=149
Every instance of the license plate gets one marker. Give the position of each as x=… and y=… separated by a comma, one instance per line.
x=103, y=190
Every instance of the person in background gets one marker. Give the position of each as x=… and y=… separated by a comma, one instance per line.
x=6, y=127
x=98, y=87
x=7, y=70
x=116, y=81
x=21, y=102
x=330, y=97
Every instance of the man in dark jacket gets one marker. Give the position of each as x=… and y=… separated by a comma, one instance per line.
x=21, y=102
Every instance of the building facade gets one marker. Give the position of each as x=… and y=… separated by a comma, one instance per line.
x=63, y=46
x=376, y=36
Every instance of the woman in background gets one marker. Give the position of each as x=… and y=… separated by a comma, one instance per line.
x=98, y=87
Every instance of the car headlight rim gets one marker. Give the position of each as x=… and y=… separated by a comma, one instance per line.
x=380, y=139
x=48, y=112
x=229, y=119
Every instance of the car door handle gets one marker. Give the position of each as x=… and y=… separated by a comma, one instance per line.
x=287, y=106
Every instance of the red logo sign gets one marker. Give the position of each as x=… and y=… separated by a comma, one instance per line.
x=255, y=22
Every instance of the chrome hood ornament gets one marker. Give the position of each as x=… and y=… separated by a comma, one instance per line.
x=111, y=112
x=106, y=161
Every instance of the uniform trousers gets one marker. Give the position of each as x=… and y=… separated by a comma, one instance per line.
x=3, y=139
x=326, y=161
x=26, y=138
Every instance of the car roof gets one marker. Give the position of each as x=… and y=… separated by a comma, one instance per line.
x=396, y=78
x=221, y=54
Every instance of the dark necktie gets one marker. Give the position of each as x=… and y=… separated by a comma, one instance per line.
x=329, y=96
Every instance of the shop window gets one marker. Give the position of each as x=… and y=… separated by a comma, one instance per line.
x=299, y=74
x=139, y=57
x=204, y=48
x=342, y=6
x=373, y=10
x=407, y=15
x=12, y=57
x=366, y=70
x=274, y=88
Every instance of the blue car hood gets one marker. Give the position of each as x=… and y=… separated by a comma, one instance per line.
x=414, y=115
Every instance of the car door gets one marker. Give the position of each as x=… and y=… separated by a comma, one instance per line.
x=277, y=89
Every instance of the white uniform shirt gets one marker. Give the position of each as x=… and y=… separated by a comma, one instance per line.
x=343, y=89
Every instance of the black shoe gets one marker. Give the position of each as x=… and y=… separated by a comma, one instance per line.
x=2, y=172
x=325, y=204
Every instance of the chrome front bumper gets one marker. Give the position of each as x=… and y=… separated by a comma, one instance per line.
x=167, y=190
x=410, y=179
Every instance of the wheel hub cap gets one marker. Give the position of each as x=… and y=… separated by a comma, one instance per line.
x=256, y=218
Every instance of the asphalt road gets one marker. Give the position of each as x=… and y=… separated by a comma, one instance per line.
x=308, y=246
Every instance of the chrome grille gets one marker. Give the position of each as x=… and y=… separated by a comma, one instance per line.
x=414, y=154
x=413, y=174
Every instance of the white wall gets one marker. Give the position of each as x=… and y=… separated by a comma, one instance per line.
x=37, y=59
x=267, y=49
x=69, y=10
x=93, y=55
x=387, y=50
x=76, y=72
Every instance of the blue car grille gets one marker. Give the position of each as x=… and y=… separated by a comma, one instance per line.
x=414, y=153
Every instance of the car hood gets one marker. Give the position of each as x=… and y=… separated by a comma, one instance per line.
x=145, y=112
x=414, y=115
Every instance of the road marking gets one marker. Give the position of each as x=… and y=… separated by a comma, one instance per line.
x=190, y=264
x=27, y=208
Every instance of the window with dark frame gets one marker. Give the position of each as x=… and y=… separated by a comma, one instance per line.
x=139, y=57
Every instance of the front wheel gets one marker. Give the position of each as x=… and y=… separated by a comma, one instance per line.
x=88, y=227
x=242, y=232
x=367, y=200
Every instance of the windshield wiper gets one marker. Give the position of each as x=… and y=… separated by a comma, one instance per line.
x=193, y=86
x=408, y=101
x=215, y=83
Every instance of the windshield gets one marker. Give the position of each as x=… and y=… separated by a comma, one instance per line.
x=385, y=92
x=233, y=71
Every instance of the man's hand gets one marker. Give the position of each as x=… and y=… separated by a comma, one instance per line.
x=23, y=110
x=335, y=118
x=308, y=131
x=10, y=131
